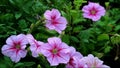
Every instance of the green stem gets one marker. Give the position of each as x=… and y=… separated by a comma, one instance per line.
x=36, y=25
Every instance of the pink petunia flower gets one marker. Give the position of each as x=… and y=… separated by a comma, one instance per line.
x=74, y=57
x=94, y=62
x=54, y=20
x=15, y=47
x=93, y=11
x=35, y=46
x=56, y=51
x=80, y=64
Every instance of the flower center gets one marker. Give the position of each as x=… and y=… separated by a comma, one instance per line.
x=54, y=22
x=71, y=61
x=17, y=46
x=93, y=66
x=54, y=51
x=53, y=17
x=93, y=12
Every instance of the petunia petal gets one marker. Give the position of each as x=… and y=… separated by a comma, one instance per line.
x=47, y=14
x=22, y=53
x=15, y=57
x=54, y=41
x=55, y=13
x=53, y=60
x=63, y=58
x=49, y=25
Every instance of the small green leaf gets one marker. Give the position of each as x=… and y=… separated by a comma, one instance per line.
x=102, y=37
x=115, y=39
x=39, y=66
x=29, y=63
x=117, y=28
x=97, y=54
x=19, y=64
x=107, y=4
x=18, y=15
x=85, y=35
x=66, y=39
x=12, y=2
x=22, y=23
x=107, y=49
x=51, y=31
x=75, y=39
x=77, y=29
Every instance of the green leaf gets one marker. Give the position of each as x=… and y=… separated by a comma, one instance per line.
x=5, y=62
x=102, y=37
x=78, y=28
x=74, y=39
x=77, y=4
x=66, y=39
x=28, y=64
x=115, y=39
x=22, y=23
x=51, y=31
x=39, y=66
x=18, y=15
x=6, y=17
x=19, y=65
x=97, y=54
x=117, y=28
x=12, y=2
x=27, y=6
x=107, y=4
x=85, y=35
x=107, y=49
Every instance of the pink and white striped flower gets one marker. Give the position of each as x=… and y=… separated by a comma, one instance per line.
x=56, y=51
x=94, y=62
x=35, y=46
x=93, y=11
x=81, y=64
x=15, y=47
x=54, y=20
x=74, y=57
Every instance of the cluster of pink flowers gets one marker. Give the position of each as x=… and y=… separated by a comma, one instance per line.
x=56, y=52
x=54, y=20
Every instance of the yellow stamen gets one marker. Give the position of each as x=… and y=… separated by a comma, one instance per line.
x=93, y=12
x=54, y=51
x=17, y=46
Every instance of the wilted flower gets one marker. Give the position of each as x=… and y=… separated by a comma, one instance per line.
x=94, y=62
x=54, y=20
x=74, y=57
x=56, y=51
x=15, y=47
x=35, y=46
x=93, y=11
